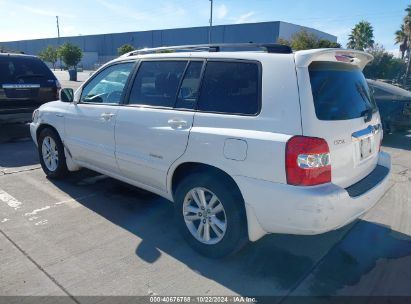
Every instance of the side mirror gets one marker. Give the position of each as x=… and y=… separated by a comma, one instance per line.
x=66, y=95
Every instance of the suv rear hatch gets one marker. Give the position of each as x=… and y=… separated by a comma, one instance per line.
x=25, y=83
x=336, y=105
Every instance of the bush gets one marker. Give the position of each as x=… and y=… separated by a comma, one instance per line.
x=384, y=65
x=124, y=49
x=49, y=54
x=70, y=54
x=165, y=51
x=305, y=41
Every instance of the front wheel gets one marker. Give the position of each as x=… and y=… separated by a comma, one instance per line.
x=51, y=154
x=210, y=214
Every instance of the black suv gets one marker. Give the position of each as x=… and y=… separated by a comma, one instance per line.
x=25, y=83
x=394, y=104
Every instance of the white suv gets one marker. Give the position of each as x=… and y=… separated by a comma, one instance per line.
x=244, y=143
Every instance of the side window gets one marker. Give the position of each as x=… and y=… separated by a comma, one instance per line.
x=230, y=87
x=157, y=82
x=108, y=85
x=188, y=93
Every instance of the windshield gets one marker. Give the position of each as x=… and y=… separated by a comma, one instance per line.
x=340, y=91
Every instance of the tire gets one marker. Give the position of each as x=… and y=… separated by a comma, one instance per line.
x=54, y=166
x=233, y=215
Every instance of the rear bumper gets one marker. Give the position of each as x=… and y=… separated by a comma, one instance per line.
x=281, y=208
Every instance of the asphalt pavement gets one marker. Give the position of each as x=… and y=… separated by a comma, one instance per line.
x=90, y=235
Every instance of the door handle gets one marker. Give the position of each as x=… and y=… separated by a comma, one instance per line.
x=177, y=123
x=107, y=116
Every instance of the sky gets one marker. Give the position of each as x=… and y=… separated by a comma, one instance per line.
x=24, y=19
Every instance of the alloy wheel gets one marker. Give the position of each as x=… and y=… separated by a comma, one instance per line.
x=204, y=215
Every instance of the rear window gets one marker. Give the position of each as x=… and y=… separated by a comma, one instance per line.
x=230, y=87
x=23, y=70
x=340, y=91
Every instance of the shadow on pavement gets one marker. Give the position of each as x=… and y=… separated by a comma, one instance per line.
x=273, y=266
x=399, y=140
x=13, y=132
x=356, y=255
x=16, y=147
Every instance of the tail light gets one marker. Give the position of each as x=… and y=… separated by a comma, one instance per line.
x=307, y=161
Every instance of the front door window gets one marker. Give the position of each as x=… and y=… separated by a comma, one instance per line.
x=108, y=86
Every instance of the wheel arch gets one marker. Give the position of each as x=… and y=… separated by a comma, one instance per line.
x=254, y=228
x=45, y=126
x=61, y=170
x=71, y=165
x=187, y=168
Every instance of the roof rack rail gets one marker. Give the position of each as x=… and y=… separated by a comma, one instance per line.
x=215, y=47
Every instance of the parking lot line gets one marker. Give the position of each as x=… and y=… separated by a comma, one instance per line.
x=9, y=200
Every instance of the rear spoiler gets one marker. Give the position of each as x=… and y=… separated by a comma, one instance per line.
x=358, y=58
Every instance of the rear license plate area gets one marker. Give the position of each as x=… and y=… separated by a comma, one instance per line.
x=365, y=143
x=366, y=147
x=21, y=90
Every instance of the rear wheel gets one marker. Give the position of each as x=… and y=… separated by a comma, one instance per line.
x=210, y=214
x=51, y=154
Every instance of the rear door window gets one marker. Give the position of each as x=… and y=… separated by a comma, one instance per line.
x=188, y=92
x=157, y=82
x=230, y=87
x=340, y=91
x=16, y=69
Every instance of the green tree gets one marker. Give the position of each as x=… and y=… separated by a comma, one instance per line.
x=283, y=41
x=401, y=38
x=361, y=37
x=405, y=34
x=49, y=54
x=124, y=49
x=327, y=44
x=165, y=51
x=304, y=41
x=71, y=54
x=384, y=65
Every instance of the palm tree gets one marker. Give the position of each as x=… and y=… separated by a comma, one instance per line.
x=361, y=37
x=402, y=39
x=406, y=29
